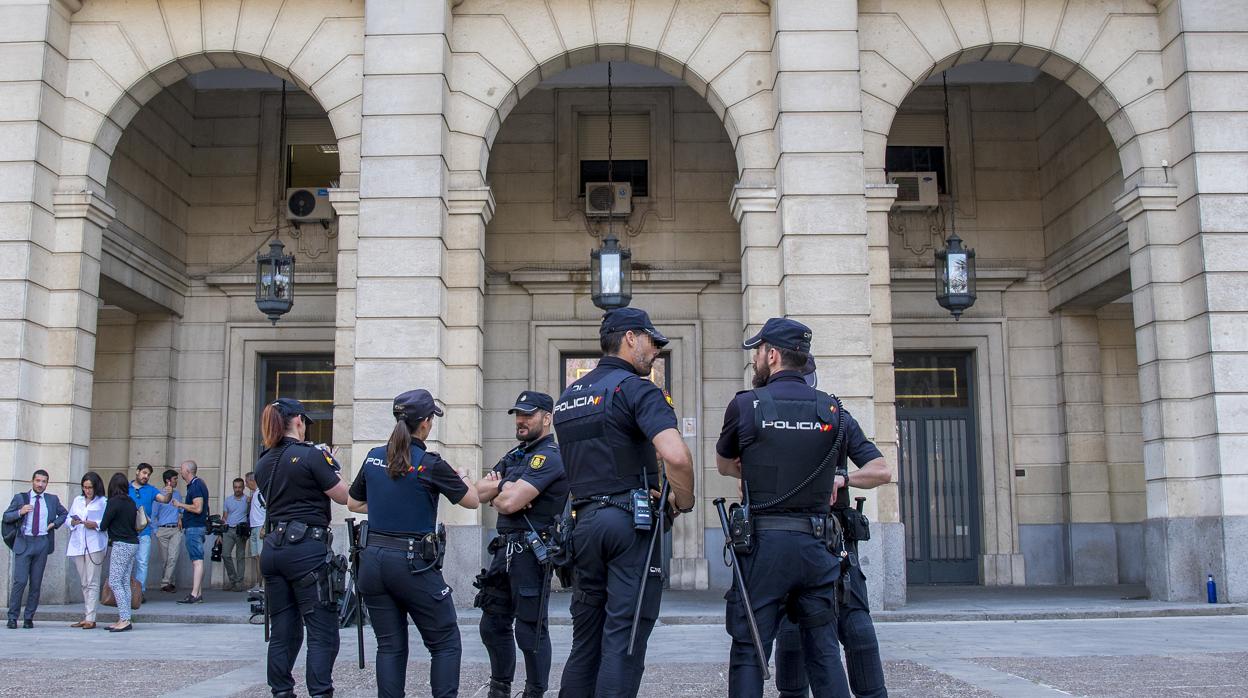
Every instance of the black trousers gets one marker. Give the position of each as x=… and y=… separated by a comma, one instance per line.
x=294, y=605
x=610, y=557
x=517, y=595
x=28, y=574
x=393, y=591
x=788, y=573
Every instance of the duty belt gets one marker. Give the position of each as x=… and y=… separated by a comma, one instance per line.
x=424, y=545
x=288, y=532
x=619, y=501
x=814, y=524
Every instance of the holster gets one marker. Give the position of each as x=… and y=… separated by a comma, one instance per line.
x=563, y=557
x=741, y=529
x=857, y=525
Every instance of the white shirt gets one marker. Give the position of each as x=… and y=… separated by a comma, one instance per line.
x=40, y=527
x=83, y=540
x=255, y=518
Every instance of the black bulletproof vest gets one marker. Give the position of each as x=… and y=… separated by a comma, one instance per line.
x=792, y=438
x=596, y=467
x=547, y=506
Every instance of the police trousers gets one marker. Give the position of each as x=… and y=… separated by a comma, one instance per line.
x=517, y=593
x=857, y=634
x=393, y=590
x=294, y=604
x=794, y=573
x=608, y=573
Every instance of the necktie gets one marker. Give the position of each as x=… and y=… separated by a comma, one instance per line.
x=35, y=528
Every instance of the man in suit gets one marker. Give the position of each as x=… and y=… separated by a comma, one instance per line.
x=39, y=514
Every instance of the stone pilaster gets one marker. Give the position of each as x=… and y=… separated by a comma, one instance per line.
x=346, y=203
x=153, y=408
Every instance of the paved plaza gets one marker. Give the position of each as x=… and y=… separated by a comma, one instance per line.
x=1135, y=657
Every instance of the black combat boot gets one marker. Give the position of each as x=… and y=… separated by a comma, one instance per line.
x=533, y=693
x=499, y=689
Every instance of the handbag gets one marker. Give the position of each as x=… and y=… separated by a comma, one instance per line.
x=140, y=519
x=108, y=598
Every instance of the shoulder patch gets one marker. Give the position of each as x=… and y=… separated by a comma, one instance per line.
x=537, y=461
x=668, y=396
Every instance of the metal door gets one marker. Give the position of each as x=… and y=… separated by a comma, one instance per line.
x=937, y=470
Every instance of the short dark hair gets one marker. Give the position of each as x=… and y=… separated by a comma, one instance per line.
x=118, y=485
x=611, y=342
x=39, y=472
x=97, y=485
x=789, y=358
x=144, y=466
x=169, y=473
x=238, y=479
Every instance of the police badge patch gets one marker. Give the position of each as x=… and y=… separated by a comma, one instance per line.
x=537, y=461
x=668, y=396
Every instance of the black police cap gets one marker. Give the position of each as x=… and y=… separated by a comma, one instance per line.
x=289, y=407
x=531, y=401
x=622, y=319
x=783, y=333
x=415, y=404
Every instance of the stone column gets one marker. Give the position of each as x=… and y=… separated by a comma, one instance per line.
x=1091, y=545
x=153, y=394
x=346, y=203
x=407, y=332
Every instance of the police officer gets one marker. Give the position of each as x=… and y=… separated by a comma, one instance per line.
x=610, y=423
x=529, y=489
x=298, y=481
x=780, y=439
x=401, y=565
x=853, y=624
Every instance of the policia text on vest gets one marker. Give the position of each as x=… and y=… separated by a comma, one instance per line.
x=611, y=425
x=786, y=440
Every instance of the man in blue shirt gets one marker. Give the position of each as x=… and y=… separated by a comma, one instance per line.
x=144, y=495
x=194, y=521
x=168, y=522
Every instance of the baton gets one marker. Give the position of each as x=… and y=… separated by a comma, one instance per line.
x=655, y=537
x=353, y=534
x=735, y=564
x=264, y=587
x=543, y=605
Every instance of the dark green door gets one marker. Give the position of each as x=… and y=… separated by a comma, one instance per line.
x=937, y=469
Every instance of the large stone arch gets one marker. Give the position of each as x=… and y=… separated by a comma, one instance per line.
x=500, y=51
x=1110, y=58
x=123, y=54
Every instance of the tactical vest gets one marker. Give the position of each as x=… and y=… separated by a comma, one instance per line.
x=546, y=507
x=594, y=467
x=405, y=505
x=792, y=438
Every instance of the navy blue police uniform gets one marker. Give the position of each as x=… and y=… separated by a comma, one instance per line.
x=606, y=421
x=515, y=589
x=853, y=623
x=401, y=563
x=293, y=477
x=783, y=434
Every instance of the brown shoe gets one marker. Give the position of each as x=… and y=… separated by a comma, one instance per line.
x=79, y=624
x=88, y=625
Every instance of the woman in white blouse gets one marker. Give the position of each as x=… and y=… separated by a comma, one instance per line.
x=87, y=543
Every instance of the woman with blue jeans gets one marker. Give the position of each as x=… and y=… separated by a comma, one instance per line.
x=123, y=538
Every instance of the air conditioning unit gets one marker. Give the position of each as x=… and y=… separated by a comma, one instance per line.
x=915, y=189
x=308, y=204
x=603, y=200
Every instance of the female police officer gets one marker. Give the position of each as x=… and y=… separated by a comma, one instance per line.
x=297, y=481
x=400, y=567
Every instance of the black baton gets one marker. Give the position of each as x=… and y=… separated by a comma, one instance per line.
x=655, y=537
x=353, y=535
x=735, y=564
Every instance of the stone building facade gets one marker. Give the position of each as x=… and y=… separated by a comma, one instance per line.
x=1084, y=423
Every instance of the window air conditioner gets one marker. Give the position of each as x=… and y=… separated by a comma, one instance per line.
x=603, y=200
x=915, y=189
x=308, y=204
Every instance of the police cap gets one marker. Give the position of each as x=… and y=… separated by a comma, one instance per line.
x=415, y=404
x=622, y=319
x=289, y=407
x=782, y=333
x=531, y=401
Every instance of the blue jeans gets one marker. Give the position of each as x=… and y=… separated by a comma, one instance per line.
x=194, y=538
x=140, y=563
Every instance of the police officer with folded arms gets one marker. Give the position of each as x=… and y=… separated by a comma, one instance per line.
x=781, y=439
x=610, y=423
x=298, y=481
x=853, y=623
x=400, y=573
x=529, y=488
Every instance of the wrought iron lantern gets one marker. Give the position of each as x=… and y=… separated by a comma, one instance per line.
x=611, y=274
x=275, y=281
x=955, y=277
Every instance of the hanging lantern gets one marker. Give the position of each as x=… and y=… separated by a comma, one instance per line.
x=275, y=281
x=611, y=275
x=955, y=277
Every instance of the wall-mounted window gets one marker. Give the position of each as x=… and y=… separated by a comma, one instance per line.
x=630, y=150
x=308, y=378
x=311, y=153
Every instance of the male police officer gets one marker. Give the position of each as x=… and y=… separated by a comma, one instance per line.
x=610, y=423
x=780, y=440
x=529, y=489
x=853, y=624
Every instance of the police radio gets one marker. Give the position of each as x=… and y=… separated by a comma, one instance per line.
x=740, y=525
x=643, y=513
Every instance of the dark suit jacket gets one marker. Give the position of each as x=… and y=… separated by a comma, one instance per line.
x=56, y=517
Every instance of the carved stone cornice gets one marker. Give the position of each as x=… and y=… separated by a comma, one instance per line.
x=1147, y=197
x=346, y=202
x=880, y=197
x=468, y=201
x=751, y=199
x=83, y=204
